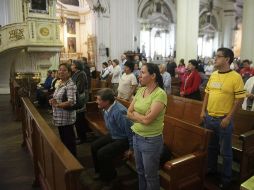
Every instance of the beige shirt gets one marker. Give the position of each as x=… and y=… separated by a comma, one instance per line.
x=125, y=85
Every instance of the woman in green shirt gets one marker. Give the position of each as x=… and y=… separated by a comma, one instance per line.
x=147, y=112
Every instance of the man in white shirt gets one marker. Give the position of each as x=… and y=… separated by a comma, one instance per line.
x=166, y=78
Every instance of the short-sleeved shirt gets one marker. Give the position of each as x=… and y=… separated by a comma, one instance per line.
x=223, y=89
x=125, y=84
x=142, y=106
x=63, y=117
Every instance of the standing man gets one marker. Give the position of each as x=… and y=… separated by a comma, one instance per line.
x=224, y=94
x=117, y=141
x=166, y=78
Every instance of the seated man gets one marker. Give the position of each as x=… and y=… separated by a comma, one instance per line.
x=116, y=142
x=43, y=89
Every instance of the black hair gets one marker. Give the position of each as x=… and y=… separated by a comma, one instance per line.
x=116, y=61
x=154, y=69
x=194, y=63
x=79, y=64
x=182, y=61
x=105, y=64
x=227, y=53
x=246, y=61
x=66, y=65
x=129, y=64
x=107, y=94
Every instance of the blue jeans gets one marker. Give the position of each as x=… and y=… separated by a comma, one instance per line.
x=147, y=152
x=220, y=142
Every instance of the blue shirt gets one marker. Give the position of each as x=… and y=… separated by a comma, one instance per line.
x=117, y=123
x=47, y=83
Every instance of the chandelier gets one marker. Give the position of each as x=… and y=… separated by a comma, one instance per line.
x=98, y=8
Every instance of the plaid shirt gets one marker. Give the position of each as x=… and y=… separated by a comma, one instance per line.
x=63, y=117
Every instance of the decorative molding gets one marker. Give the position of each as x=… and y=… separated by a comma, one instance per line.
x=16, y=34
x=44, y=31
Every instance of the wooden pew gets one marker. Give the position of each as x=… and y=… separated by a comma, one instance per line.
x=54, y=166
x=243, y=132
x=188, y=144
x=183, y=108
x=187, y=168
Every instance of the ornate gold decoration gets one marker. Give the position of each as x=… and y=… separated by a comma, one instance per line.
x=16, y=34
x=44, y=31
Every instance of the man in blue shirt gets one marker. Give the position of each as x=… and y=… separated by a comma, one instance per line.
x=117, y=141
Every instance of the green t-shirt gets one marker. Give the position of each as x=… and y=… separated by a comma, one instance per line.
x=142, y=105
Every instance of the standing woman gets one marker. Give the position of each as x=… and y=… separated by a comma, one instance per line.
x=63, y=98
x=191, y=82
x=147, y=112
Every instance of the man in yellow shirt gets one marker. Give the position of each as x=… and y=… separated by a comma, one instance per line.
x=224, y=94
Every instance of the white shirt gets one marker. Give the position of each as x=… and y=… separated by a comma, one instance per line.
x=116, y=74
x=166, y=82
x=110, y=68
x=248, y=87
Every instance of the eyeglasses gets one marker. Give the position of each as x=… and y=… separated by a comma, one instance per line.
x=218, y=56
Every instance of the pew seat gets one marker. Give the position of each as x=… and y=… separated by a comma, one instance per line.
x=243, y=133
x=187, y=168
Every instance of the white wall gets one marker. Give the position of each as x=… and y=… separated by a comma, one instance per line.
x=123, y=15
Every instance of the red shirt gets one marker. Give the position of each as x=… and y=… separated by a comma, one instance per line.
x=191, y=82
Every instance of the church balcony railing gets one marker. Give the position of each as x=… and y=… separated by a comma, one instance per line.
x=34, y=34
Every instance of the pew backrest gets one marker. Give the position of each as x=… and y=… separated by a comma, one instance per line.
x=54, y=166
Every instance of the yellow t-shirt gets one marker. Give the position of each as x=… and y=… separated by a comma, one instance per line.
x=223, y=89
x=142, y=105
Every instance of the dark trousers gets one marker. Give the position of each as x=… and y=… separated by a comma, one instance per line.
x=80, y=125
x=104, y=150
x=67, y=136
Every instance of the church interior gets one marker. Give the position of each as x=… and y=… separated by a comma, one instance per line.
x=45, y=43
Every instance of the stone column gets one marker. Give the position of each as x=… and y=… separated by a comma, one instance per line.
x=187, y=29
x=150, y=43
x=247, y=47
x=228, y=24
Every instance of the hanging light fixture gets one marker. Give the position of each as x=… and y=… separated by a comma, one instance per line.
x=98, y=8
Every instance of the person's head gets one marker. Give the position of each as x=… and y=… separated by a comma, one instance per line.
x=69, y=61
x=64, y=71
x=53, y=74
x=77, y=65
x=128, y=67
x=144, y=61
x=136, y=66
x=49, y=73
x=115, y=62
x=192, y=65
x=163, y=68
x=223, y=58
x=246, y=63
x=150, y=73
x=105, y=98
x=84, y=59
x=123, y=57
x=109, y=62
x=104, y=65
x=181, y=62
x=136, y=58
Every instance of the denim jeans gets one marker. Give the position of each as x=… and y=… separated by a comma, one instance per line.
x=220, y=142
x=147, y=152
